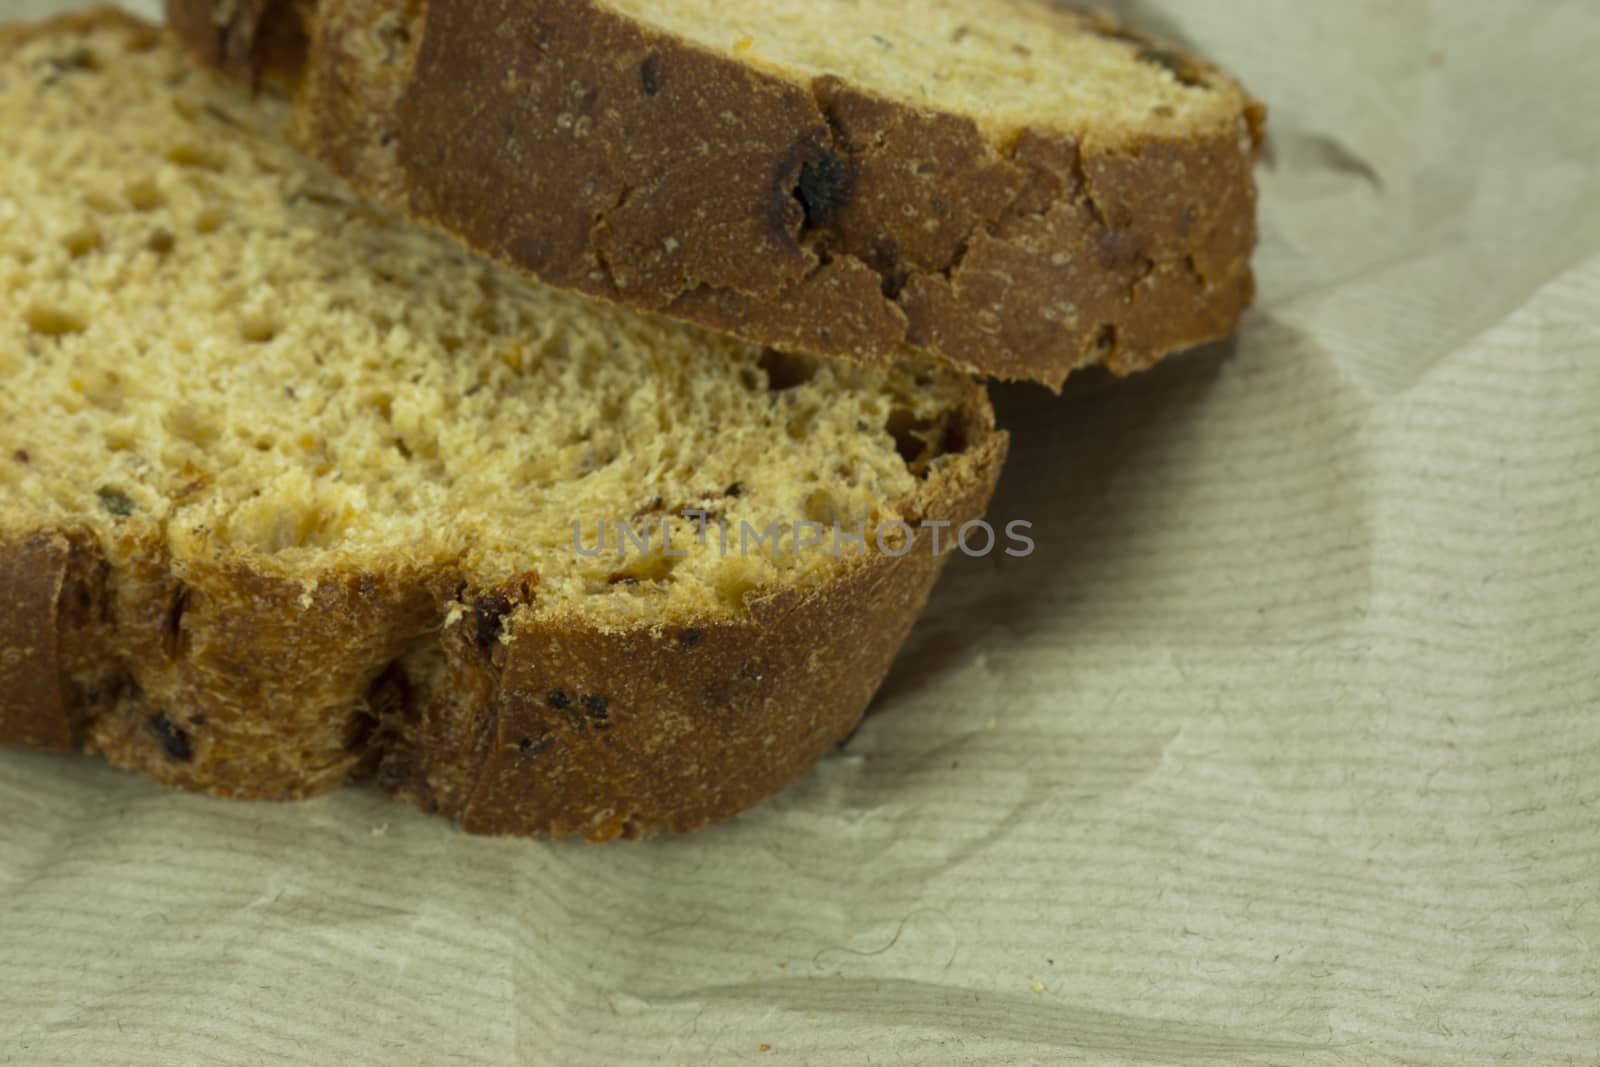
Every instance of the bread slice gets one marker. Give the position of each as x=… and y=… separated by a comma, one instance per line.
x=288, y=486
x=1010, y=187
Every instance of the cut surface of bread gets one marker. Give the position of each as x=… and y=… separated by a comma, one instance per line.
x=1010, y=187
x=292, y=490
x=1005, y=65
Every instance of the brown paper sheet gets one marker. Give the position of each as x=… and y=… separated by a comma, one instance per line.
x=1283, y=749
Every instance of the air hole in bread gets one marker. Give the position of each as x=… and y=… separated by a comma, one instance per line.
x=389, y=696
x=144, y=195
x=192, y=155
x=174, y=640
x=800, y=423
x=209, y=220
x=201, y=429
x=735, y=586
x=786, y=370
x=957, y=437
x=101, y=203
x=359, y=729
x=910, y=435
x=382, y=404
x=104, y=391
x=821, y=507
x=76, y=61
x=273, y=524
x=82, y=241
x=51, y=321
x=653, y=568
x=258, y=329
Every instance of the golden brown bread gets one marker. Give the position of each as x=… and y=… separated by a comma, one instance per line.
x=602, y=146
x=699, y=721
x=284, y=486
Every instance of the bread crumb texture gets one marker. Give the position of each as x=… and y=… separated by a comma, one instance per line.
x=1006, y=65
x=202, y=332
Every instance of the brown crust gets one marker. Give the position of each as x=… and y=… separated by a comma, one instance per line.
x=688, y=183
x=212, y=671
x=33, y=711
x=214, y=675
x=618, y=733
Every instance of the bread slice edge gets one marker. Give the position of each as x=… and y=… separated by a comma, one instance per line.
x=1055, y=253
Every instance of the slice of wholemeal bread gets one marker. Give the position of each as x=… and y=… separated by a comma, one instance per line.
x=288, y=486
x=1009, y=187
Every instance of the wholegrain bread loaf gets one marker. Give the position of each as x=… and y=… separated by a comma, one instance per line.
x=1010, y=187
x=288, y=487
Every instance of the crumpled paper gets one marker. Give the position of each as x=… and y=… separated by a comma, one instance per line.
x=1283, y=748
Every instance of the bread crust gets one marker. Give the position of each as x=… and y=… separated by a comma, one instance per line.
x=33, y=711
x=213, y=674
x=610, y=733
x=689, y=183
